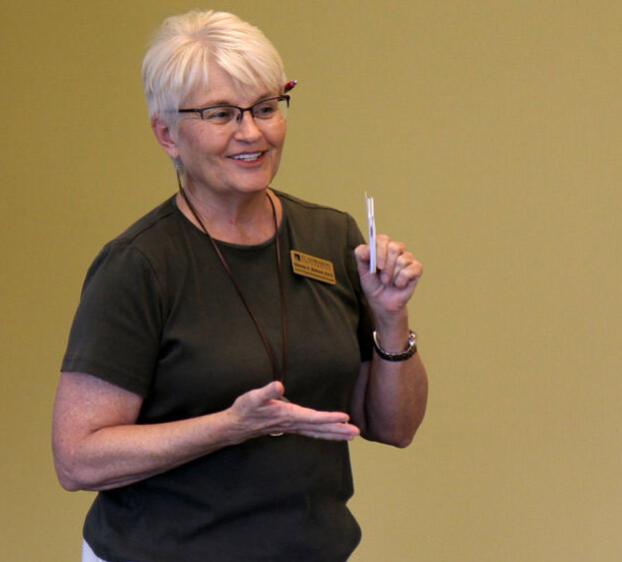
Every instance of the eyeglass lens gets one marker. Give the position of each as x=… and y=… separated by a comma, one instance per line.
x=265, y=109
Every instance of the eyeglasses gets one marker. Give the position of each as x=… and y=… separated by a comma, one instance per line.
x=264, y=110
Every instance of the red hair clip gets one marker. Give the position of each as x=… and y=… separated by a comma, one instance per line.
x=290, y=85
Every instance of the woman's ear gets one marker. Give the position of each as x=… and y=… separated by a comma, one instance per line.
x=165, y=136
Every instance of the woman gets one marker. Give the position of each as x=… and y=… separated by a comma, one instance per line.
x=222, y=355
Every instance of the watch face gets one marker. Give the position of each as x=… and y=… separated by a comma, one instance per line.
x=412, y=339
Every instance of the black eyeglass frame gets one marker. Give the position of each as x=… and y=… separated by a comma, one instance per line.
x=242, y=110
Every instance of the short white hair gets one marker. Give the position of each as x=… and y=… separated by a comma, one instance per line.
x=177, y=62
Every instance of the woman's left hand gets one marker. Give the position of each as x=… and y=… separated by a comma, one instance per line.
x=398, y=272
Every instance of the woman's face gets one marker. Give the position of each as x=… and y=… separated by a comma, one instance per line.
x=240, y=157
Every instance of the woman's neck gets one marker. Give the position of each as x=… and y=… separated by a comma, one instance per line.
x=237, y=219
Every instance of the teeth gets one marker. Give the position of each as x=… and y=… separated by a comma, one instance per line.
x=247, y=157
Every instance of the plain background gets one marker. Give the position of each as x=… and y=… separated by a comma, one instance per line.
x=489, y=133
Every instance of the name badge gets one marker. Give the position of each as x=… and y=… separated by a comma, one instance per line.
x=315, y=268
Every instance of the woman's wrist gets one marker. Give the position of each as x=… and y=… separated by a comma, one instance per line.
x=392, y=332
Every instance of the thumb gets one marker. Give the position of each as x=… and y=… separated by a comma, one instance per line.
x=370, y=282
x=272, y=391
x=361, y=255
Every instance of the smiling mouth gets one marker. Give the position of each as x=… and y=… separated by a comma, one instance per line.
x=247, y=156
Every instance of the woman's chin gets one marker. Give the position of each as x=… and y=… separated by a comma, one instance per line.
x=252, y=183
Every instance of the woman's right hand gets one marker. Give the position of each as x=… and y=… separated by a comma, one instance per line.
x=98, y=445
x=264, y=411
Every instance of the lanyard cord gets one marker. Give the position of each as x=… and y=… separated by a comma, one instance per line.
x=278, y=374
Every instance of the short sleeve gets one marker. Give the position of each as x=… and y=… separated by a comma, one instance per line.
x=116, y=330
x=366, y=323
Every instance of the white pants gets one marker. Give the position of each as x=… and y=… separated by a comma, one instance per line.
x=88, y=555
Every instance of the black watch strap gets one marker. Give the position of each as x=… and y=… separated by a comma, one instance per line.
x=409, y=351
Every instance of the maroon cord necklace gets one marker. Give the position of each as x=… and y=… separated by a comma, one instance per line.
x=278, y=374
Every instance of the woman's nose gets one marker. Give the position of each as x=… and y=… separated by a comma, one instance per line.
x=247, y=128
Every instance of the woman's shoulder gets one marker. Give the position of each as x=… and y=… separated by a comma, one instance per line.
x=303, y=206
x=315, y=214
x=320, y=223
x=153, y=224
x=151, y=233
x=145, y=243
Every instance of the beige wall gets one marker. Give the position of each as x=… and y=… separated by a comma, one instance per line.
x=489, y=132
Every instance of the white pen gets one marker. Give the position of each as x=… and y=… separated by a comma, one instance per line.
x=371, y=226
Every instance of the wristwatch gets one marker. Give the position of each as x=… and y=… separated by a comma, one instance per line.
x=411, y=348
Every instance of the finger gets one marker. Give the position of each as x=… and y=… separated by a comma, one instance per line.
x=400, y=263
x=286, y=417
x=409, y=274
x=393, y=252
x=344, y=429
x=403, y=261
x=337, y=431
x=333, y=432
x=382, y=241
x=307, y=416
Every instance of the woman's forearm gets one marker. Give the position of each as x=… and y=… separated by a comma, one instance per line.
x=116, y=456
x=396, y=393
x=396, y=400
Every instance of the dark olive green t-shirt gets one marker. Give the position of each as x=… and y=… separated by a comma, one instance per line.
x=159, y=316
